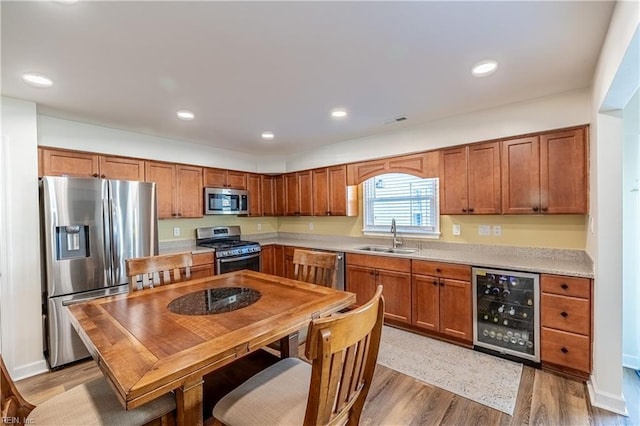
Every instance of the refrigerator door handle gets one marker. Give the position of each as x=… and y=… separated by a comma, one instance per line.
x=108, y=243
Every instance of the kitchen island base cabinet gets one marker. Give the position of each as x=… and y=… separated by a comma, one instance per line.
x=442, y=299
x=366, y=272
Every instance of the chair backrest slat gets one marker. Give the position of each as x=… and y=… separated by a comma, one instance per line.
x=315, y=267
x=158, y=270
x=343, y=350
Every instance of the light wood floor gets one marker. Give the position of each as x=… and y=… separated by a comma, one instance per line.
x=395, y=399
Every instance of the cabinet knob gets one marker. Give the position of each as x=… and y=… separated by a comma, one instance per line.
x=95, y=175
x=471, y=210
x=435, y=282
x=441, y=284
x=564, y=350
x=103, y=176
x=438, y=270
x=564, y=314
x=464, y=210
x=545, y=208
x=564, y=286
x=535, y=208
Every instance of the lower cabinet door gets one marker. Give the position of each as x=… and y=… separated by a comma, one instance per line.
x=426, y=302
x=456, y=310
x=362, y=282
x=396, y=289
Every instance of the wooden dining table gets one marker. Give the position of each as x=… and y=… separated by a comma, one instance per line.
x=146, y=345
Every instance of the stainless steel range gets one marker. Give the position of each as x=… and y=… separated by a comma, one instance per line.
x=231, y=253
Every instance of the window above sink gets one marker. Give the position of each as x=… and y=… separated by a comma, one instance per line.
x=410, y=200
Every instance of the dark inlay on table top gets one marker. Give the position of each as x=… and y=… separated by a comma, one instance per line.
x=214, y=301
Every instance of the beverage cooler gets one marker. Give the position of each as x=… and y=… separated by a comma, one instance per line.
x=506, y=312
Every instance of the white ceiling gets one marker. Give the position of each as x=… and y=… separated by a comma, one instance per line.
x=247, y=67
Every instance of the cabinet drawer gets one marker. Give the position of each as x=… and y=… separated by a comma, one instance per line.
x=566, y=349
x=202, y=259
x=566, y=286
x=379, y=262
x=566, y=313
x=447, y=270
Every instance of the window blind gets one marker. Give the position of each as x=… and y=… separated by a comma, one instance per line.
x=411, y=201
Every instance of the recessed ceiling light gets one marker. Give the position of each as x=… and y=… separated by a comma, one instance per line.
x=37, y=80
x=339, y=113
x=185, y=115
x=267, y=135
x=484, y=68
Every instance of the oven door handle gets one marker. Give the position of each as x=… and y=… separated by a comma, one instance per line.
x=235, y=259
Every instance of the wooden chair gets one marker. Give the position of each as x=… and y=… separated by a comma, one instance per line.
x=92, y=403
x=158, y=270
x=332, y=390
x=315, y=267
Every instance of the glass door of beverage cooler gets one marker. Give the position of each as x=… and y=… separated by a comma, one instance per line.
x=506, y=312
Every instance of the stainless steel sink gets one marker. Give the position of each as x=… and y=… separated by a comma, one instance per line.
x=382, y=249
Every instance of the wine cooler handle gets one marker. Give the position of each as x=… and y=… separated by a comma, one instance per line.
x=564, y=350
x=564, y=314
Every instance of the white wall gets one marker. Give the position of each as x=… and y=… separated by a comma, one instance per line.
x=20, y=283
x=631, y=235
x=59, y=133
x=552, y=112
x=616, y=79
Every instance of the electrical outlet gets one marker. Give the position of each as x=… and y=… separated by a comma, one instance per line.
x=311, y=226
x=176, y=231
x=484, y=230
x=456, y=230
x=259, y=227
x=497, y=230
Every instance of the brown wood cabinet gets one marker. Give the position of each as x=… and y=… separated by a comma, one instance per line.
x=56, y=162
x=298, y=190
x=279, y=196
x=546, y=173
x=365, y=272
x=565, y=316
x=441, y=298
x=221, y=178
x=254, y=189
x=470, y=179
x=203, y=265
x=267, y=195
x=267, y=259
x=424, y=164
x=179, y=189
x=330, y=191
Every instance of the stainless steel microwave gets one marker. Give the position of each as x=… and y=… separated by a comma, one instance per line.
x=225, y=201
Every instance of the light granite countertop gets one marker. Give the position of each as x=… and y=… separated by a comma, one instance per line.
x=528, y=259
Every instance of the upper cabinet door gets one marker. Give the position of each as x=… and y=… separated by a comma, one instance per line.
x=254, y=188
x=453, y=181
x=68, y=163
x=305, y=189
x=563, y=172
x=337, y=190
x=521, y=176
x=268, y=195
x=164, y=175
x=236, y=180
x=484, y=178
x=121, y=168
x=189, y=193
x=321, y=190
x=216, y=178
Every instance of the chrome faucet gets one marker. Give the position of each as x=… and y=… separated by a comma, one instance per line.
x=396, y=241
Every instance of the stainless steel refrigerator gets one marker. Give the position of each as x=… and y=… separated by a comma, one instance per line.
x=89, y=228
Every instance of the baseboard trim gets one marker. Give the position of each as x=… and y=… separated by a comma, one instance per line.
x=630, y=361
x=28, y=370
x=606, y=400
